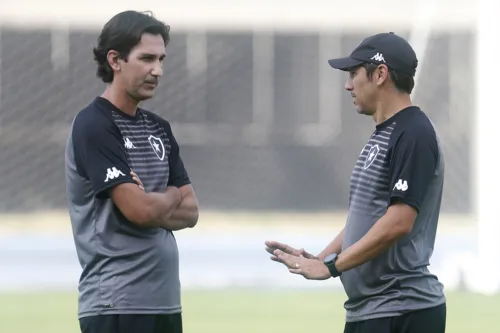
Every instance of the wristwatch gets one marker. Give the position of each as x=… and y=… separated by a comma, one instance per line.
x=329, y=261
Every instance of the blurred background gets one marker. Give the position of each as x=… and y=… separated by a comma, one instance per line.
x=269, y=138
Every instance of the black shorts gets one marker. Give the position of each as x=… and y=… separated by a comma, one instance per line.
x=431, y=320
x=130, y=323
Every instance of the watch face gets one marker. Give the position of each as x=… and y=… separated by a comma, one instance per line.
x=330, y=257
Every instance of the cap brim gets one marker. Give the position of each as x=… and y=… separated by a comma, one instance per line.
x=344, y=63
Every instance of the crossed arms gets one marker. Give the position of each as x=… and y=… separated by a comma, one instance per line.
x=99, y=149
x=174, y=209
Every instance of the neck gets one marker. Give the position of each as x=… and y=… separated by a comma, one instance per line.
x=388, y=107
x=121, y=99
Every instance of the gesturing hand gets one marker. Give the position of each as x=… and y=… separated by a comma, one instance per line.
x=272, y=246
x=311, y=269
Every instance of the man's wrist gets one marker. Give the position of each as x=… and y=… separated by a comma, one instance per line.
x=330, y=261
x=321, y=256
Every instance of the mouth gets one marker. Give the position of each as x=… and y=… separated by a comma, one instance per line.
x=151, y=84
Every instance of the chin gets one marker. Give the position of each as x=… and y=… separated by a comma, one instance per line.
x=140, y=96
x=363, y=111
x=359, y=110
x=145, y=96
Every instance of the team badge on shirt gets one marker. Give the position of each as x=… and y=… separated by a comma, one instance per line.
x=157, y=146
x=372, y=155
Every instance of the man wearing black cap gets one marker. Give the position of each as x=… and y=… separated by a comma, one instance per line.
x=382, y=254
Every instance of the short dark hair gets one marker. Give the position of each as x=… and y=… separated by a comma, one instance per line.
x=402, y=81
x=122, y=33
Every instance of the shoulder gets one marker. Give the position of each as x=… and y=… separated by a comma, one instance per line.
x=413, y=125
x=93, y=122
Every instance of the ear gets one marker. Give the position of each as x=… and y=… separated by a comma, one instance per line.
x=114, y=60
x=382, y=74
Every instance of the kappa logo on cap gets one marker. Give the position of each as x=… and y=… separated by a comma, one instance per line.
x=378, y=57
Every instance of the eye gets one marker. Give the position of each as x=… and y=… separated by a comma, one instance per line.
x=147, y=58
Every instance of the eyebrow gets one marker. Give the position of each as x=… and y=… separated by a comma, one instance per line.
x=152, y=55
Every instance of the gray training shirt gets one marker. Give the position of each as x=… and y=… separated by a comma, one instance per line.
x=402, y=162
x=126, y=269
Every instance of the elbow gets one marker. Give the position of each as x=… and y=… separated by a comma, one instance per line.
x=401, y=229
x=394, y=231
x=400, y=218
x=193, y=220
x=406, y=229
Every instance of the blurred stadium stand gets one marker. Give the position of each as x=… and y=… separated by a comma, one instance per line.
x=249, y=143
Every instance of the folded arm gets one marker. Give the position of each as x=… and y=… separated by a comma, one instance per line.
x=186, y=213
x=145, y=209
x=174, y=209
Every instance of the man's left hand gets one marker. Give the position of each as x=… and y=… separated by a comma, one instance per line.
x=136, y=179
x=311, y=269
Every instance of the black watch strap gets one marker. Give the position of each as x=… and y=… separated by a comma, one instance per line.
x=330, y=263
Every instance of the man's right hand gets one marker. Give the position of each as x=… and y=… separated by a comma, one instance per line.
x=271, y=246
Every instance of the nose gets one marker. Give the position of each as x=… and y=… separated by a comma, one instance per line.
x=157, y=70
x=348, y=85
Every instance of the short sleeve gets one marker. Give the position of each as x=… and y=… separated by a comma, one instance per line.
x=99, y=153
x=413, y=161
x=178, y=175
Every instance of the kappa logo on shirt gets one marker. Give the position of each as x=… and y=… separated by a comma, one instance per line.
x=128, y=143
x=401, y=185
x=112, y=174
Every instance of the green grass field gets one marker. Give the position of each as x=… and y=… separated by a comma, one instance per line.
x=242, y=311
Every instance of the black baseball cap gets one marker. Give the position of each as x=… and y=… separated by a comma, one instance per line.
x=384, y=48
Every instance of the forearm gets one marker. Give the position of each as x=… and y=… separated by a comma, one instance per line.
x=335, y=246
x=186, y=213
x=161, y=206
x=185, y=216
x=379, y=238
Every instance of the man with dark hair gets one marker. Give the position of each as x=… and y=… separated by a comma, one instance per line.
x=383, y=251
x=127, y=189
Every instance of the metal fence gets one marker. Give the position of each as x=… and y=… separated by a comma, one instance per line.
x=262, y=120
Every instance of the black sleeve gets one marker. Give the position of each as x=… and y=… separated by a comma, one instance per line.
x=178, y=175
x=413, y=161
x=100, y=153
